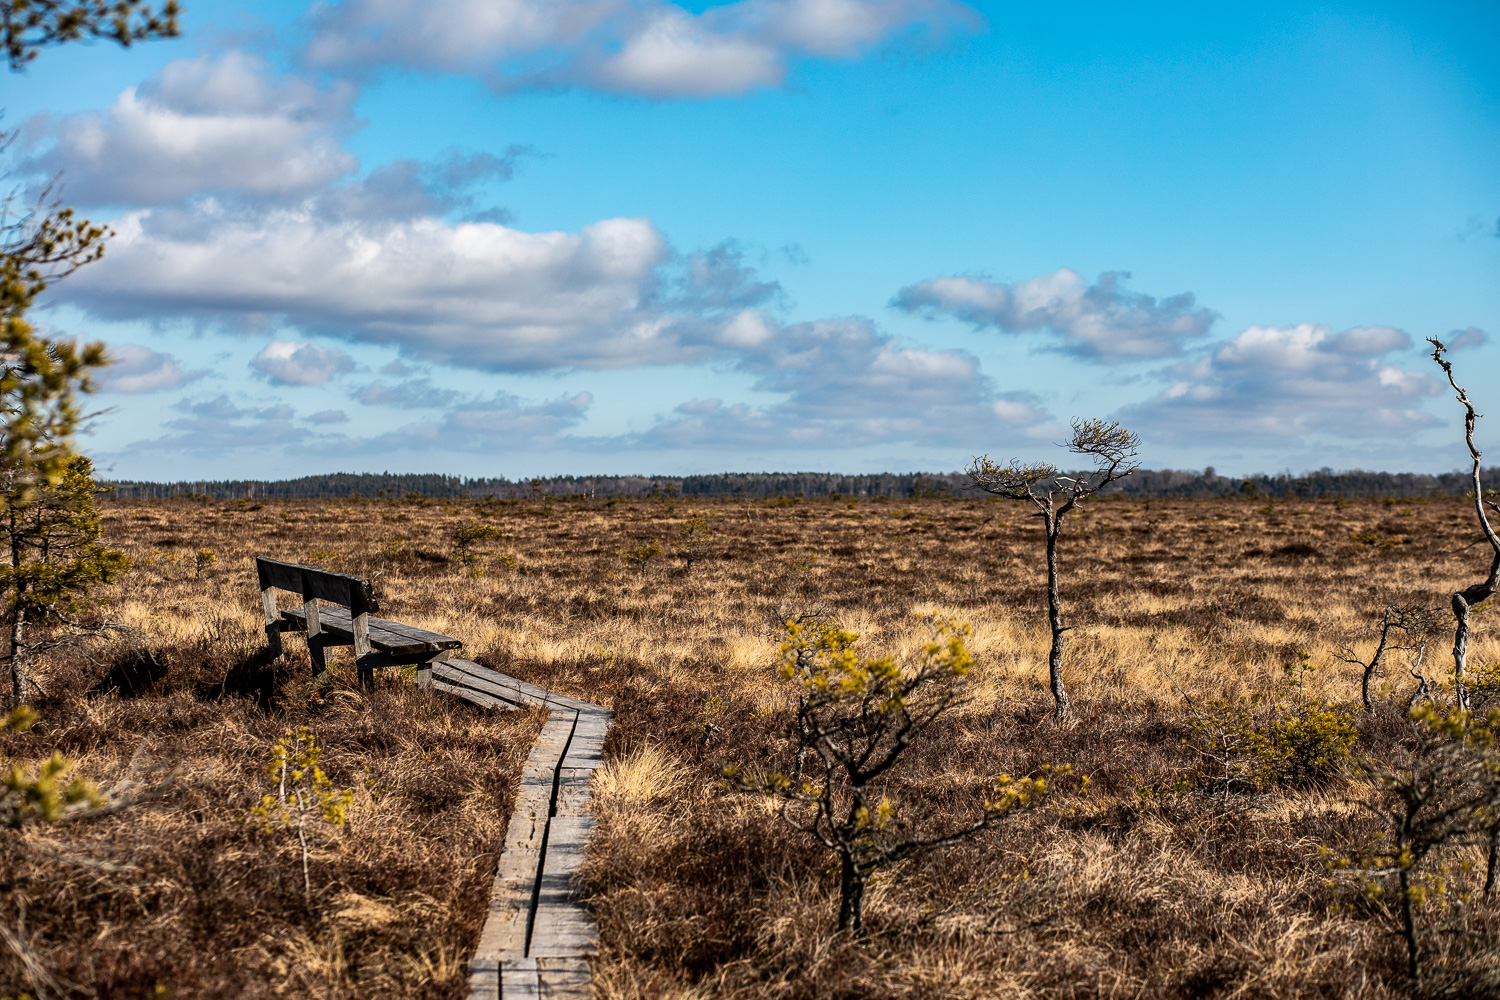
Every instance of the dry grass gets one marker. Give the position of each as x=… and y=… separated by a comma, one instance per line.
x=705, y=894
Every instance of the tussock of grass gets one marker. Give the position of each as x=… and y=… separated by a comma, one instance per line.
x=644, y=774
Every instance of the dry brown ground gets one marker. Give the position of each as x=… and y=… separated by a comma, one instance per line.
x=701, y=893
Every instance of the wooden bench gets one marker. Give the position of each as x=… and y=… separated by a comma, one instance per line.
x=336, y=611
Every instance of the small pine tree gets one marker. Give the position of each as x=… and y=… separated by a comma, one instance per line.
x=692, y=539
x=855, y=718
x=467, y=534
x=52, y=534
x=304, y=794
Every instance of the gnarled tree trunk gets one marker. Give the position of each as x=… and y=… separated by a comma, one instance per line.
x=1054, y=616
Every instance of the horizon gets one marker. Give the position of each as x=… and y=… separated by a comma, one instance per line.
x=867, y=234
x=1204, y=473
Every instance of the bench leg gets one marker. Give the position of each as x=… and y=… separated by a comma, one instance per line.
x=424, y=669
x=318, y=653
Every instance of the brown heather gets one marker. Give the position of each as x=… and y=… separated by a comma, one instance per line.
x=701, y=893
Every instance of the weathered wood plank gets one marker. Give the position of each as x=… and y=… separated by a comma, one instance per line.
x=310, y=581
x=504, y=931
x=540, y=949
x=442, y=684
x=562, y=927
x=519, y=979
x=460, y=671
x=505, y=928
x=476, y=697
x=547, y=753
x=385, y=635
x=538, y=695
x=484, y=980
x=586, y=750
x=573, y=789
x=532, y=693
x=565, y=978
x=337, y=615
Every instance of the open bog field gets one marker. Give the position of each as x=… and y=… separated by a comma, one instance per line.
x=701, y=892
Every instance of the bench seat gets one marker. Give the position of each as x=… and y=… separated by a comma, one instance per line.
x=387, y=636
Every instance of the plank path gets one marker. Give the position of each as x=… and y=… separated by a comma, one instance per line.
x=538, y=934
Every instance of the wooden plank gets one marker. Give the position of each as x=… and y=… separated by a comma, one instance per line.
x=362, y=659
x=273, y=619
x=548, y=751
x=458, y=671
x=352, y=592
x=424, y=669
x=506, y=926
x=504, y=931
x=463, y=691
x=341, y=618
x=540, y=948
x=274, y=573
x=484, y=980
x=574, y=789
x=586, y=750
x=420, y=660
x=519, y=979
x=312, y=620
x=338, y=624
x=531, y=692
x=565, y=978
x=563, y=926
x=475, y=697
x=385, y=635
x=536, y=695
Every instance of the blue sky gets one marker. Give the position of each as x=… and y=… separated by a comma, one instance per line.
x=520, y=237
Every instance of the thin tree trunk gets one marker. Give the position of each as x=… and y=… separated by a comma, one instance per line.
x=1460, y=648
x=1492, y=873
x=851, y=896
x=1409, y=928
x=306, y=876
x=1480, y=592
x=1374, y=664
x=20, y=674
x=1054, y=614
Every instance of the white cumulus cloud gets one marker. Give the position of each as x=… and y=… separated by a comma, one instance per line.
x=650, y=47
x=475, y=294
x=134, y=369
x=225, y=125
x=1101, y=322
x=287, y=362
x=1278, y=383
x=845, y=383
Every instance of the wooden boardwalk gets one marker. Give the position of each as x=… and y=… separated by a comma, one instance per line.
x=538, y=935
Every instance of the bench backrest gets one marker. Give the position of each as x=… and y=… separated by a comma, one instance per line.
x=353, y=592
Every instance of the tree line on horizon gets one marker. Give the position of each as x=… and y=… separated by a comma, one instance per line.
x=1144, y=484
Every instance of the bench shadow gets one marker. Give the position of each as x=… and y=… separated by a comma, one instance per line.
x=226, y=661
x=258, y=676
x=134, y=673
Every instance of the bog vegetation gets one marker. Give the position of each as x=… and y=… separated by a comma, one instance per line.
x=1248, y=827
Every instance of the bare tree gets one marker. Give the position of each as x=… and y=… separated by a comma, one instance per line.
x=1480, y=592
x=1416, y=625
x=1113, y=450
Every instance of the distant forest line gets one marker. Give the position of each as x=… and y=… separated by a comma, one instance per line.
x=1144, y=483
